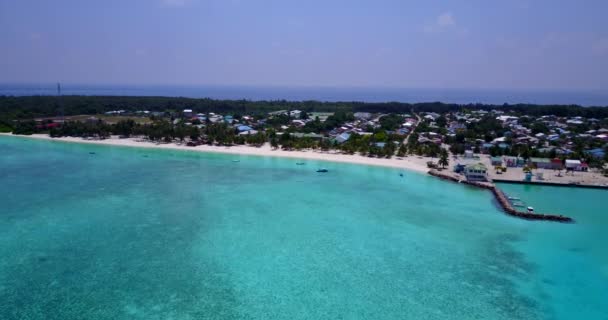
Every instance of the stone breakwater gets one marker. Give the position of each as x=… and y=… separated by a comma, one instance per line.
x=503, y=200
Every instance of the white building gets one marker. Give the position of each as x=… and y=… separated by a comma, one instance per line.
x=295, y=114
x=576, y=165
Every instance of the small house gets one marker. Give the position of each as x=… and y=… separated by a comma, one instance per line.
x=343, y=137
x=540, y=163
x=576, y=165
x=243, y=128
x=557, y=164
x=496, y=161
x=486, y=147
x=295, y=114
x=362, y=115
x=513, y=161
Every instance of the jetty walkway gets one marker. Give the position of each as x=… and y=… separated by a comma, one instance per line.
x=502, y=199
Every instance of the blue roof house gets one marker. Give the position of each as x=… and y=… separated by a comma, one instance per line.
x=597, y=153
x=343, y=137
x=244, y=128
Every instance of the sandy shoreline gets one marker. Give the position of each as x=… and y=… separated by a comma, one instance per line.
x=412, y=163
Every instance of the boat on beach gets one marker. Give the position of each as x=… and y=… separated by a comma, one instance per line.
x=530, y=210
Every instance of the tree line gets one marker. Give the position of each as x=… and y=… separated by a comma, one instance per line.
x=29, y=107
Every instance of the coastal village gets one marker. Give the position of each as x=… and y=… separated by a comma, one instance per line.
x=474, y=145
x=478, y=147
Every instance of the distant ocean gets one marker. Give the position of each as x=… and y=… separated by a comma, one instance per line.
x=460, y=96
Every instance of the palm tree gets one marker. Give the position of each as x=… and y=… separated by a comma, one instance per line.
x=444, y=158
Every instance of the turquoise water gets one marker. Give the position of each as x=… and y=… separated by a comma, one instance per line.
x=153, y=234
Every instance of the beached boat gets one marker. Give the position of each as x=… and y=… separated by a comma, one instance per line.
x=530, y=210
x=322, y=170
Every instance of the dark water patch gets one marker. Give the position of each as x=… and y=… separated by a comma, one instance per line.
x=118, y=269
x=497, y=274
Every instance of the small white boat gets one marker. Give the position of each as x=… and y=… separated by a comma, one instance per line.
x=530, y=210
x=514, y=198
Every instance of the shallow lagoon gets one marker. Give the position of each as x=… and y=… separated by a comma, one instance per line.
x=153, y=234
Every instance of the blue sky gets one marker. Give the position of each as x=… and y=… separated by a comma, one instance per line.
x=501, y=44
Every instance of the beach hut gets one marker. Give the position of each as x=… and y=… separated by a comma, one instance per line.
x=557, y=164
x=496, y=161
x=576, y=165
x=540, y=163
x=511, y=161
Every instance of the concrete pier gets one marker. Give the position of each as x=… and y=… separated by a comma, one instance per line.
x=503, y=200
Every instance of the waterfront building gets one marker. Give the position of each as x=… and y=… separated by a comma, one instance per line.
x=476, y=172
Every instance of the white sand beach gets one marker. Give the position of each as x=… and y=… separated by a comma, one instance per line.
x=413, y=163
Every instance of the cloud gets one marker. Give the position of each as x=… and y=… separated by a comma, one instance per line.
x=446, y=19
x=175, y=3
x=443, y=22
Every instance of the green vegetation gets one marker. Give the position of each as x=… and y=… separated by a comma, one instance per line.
x=30, y=107
x=163, y=121
x=444, y=158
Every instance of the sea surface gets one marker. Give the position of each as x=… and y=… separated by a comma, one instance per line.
x=99, y=232
x=411, y=95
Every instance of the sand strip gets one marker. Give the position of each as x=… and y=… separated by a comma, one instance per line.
x=412, y=163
